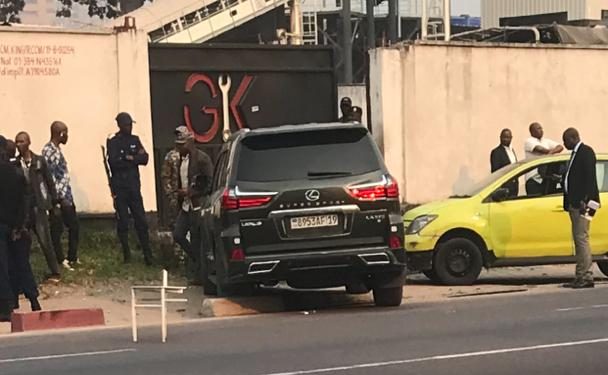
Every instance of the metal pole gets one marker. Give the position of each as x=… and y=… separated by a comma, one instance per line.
x=296, y=23
x=163, y=307
x=347, y=45
x=447, y=19
x=392, y=21
x=424, y=26
x=398, y=14
x=133, y=315
x=371, y=24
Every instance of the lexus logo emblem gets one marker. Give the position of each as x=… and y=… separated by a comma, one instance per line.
x=312, y=195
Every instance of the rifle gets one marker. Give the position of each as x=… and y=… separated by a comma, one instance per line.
x=106, y=166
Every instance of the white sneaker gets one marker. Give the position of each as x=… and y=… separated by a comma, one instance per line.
x=66, y=265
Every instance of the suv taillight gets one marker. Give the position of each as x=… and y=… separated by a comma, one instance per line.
x=386, y=189
x=231, y=200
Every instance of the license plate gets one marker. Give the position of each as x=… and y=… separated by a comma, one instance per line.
x=306, y=222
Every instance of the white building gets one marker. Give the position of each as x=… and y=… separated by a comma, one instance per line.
x=39, y=12
x=407, y=8
x=493, y=10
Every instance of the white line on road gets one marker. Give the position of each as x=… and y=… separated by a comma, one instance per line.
x=444, y=357
x=582, y=308
x=59, y=356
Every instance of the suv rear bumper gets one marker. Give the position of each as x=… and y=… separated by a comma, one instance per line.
x=375, y=266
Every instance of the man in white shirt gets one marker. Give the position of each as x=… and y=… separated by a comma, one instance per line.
x=537, y=145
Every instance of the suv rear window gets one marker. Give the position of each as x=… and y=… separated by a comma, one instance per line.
x=307, y=154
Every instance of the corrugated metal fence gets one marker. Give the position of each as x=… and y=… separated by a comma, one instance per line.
x=493, y=10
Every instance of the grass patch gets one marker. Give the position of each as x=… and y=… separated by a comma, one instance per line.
x=101, y=257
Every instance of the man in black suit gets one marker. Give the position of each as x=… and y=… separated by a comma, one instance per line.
x=504, y=155
x=41, y=198
x=580, y=187
x=12, y=215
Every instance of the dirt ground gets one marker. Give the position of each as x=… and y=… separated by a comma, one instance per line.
x=115, y=299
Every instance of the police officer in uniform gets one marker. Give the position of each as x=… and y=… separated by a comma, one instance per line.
x=125, y=155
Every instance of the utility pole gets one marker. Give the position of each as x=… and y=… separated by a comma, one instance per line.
x=392, y=21
x=424, y=22
x=371, y=24
x=447, y=20
x=347, y=44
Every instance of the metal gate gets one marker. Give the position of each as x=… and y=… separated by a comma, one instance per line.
x=269, y=86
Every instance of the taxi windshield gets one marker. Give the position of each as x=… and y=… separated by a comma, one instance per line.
x=489, y=180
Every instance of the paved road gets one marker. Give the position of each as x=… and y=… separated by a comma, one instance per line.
x=556, y=333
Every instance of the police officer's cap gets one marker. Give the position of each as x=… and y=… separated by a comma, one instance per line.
x=123, y=118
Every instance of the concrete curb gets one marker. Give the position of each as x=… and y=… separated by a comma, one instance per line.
x=43, y=320
x=282, y=302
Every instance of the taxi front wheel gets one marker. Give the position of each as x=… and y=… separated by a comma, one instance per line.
x=603, y=266
x=431, y=275
x=458, y=261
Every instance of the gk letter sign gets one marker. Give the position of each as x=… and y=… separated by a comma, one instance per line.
x=214, y=112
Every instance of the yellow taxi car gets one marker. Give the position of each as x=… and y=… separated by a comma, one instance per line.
x=514, y=217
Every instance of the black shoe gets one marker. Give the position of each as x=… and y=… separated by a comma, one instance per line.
x=53, y=277
x=579, y=284
x=35, y=304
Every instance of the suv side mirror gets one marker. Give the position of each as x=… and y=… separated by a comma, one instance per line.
x=500, y=195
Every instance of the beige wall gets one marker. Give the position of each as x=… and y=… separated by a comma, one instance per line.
x=88, y=81
x=441, y=108
x=594, y=9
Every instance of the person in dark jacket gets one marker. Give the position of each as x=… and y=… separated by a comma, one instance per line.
x=580, y=187
x=42, y=198
x=12, y=205
x=502, y=156
x=195, y=174
x=125, y=155
x=20, y=271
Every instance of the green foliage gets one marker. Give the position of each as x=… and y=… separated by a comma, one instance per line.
x=101, y=259
x=100, y=8
x=9, y=11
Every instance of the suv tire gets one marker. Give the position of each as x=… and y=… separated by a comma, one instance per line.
x=457, y=262
x=388, y=296
x=226, y=289
x=209, y=287
x=603, y=266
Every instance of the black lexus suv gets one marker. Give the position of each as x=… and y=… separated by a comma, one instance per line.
x=312, y=205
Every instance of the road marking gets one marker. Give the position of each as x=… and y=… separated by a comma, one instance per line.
x=59, y=356
x=444, y=357
x=582, y=308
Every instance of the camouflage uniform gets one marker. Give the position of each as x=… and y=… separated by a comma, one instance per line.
x=170, y=182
